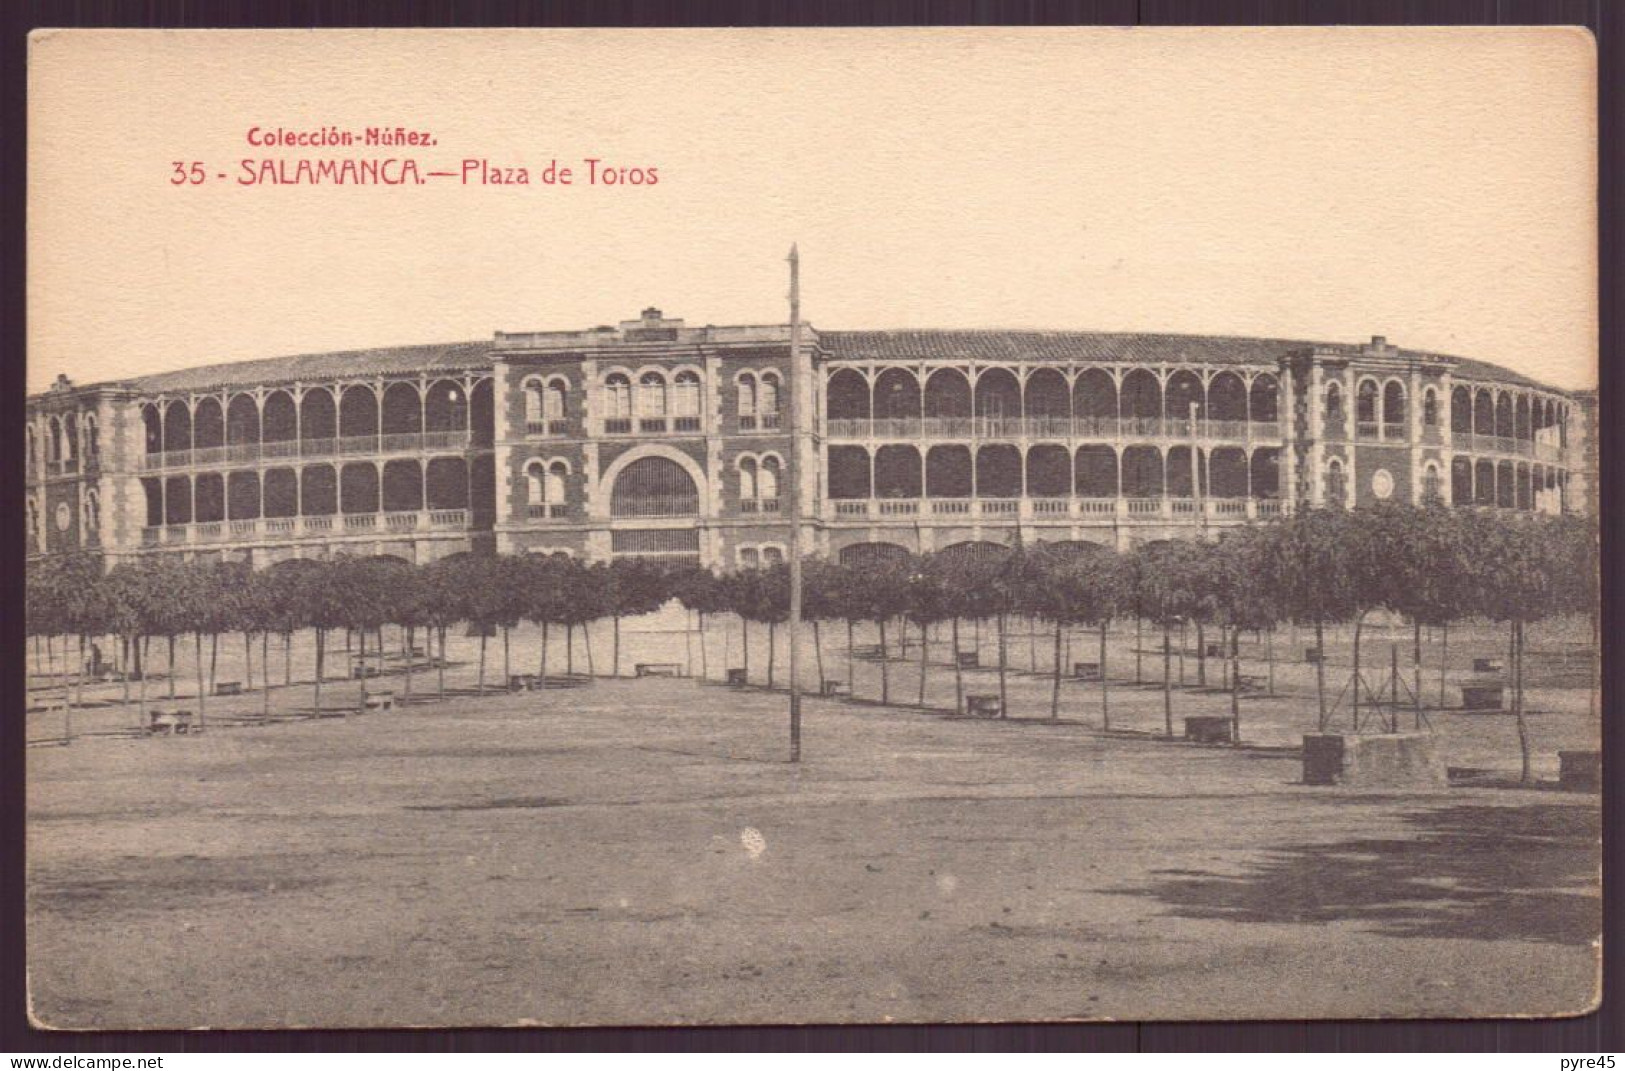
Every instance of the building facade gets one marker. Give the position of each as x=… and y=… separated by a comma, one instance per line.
x=660, y=440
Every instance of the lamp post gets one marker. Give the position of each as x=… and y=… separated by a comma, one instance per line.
x=793, y=478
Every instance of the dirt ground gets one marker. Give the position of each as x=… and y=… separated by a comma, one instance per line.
x=640, y=852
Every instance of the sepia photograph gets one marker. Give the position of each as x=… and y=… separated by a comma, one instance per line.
x=669, y=527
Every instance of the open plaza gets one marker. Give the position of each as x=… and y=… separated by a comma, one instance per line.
x=640, y=851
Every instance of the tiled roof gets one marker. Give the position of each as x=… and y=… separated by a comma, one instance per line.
x=1055, y=346
x=1026, y=345
x=318, y=367
x=1129, y=348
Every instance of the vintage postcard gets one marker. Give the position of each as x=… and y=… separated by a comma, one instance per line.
x=742, y=526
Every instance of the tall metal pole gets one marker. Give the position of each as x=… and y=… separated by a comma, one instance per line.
x=793, y=478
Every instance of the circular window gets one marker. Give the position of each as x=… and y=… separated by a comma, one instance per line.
x=64, y=517
x=1382, y=483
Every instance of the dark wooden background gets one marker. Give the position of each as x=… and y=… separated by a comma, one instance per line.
x=1600, y=1032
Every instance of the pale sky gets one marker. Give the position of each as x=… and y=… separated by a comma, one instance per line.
x=1433, y=186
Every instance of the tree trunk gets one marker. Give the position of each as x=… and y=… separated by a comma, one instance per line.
x=125, y=643
x=1032, y=645
x=287, y=659
x=507, y=666
x=1359, y=627
x=615, y=649
x=407, y=635
x=885, y=664
x=321, y=665
x=569, y=648
x=171, y=673
x=744, y=639
x=1269, y=655
x=851, y=675
x=1235, y=685
x=1416, y=671
x=1167, y=680
x=705, y=668
x=361, y=703
x=141, y=709
x=265, y=675
x=772, y=650
x=1320, y=671
x=1004, y=702
x=586, y=641
x=1526, y=773
x=541, y=670
x=214, y=657
x=441, y=664
x=482, y=661
x=1105, y=703
x=925, y=645
x=959, y=673
x=1139, y=632
x=818, y=654
x=1055, y=685
x=1201, y=655
x=197, y=663
x=1444, y=660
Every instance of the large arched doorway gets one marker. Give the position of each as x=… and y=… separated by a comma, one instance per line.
x=654, y=487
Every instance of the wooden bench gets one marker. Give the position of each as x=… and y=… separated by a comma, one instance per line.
x=1488, y=665
x=363, y=670
x=169, y=722
x=1086, y=671
x=983, y=706
x=378, y=701
x=1249, y=682
x=736, y=678
x=968, y=659
x=868, y=652
x=1208, y=729
x=658, y=669
x=1312, y=654
x=832, y=687
x=228, y=688
x=1475, y=697
x=1580, y=771
x=521, y=682
x=1215, y=650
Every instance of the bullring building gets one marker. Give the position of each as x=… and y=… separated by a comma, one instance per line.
x=659, y=439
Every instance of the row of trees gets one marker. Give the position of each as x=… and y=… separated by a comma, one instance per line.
x=1430, y=565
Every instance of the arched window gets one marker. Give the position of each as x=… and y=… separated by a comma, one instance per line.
x=533, y=407
x=93, y=512
x=767, y=404
x=747, y=484
x=92, y=443
x=1393, y=410
x=1365, y=409
x=53, y=451
x=767, y=484
x=553, y=399
x=1336, y=421
x=617, y=403
x=1430, y=408
x=749, y=558
x=545, y=484
x=652, y=402
x=772, y=554
x=747, y=401
x=685, y=402
x=1336, y=485
x=1430, y=484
